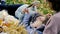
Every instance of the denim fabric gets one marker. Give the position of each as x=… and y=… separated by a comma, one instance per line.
x=19, y=12
x=19, y=15
x=26, y=19
x=31, y=30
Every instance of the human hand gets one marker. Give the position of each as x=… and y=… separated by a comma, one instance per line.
x=25, y=10
x=48, y=15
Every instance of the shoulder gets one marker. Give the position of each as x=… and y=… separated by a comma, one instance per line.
x=57, y=15
x=54, y=19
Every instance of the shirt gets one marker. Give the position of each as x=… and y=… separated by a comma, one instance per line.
x=53, y=25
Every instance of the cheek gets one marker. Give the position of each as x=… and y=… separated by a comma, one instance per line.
x=42, y=18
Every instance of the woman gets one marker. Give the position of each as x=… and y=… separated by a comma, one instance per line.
x=53, y=25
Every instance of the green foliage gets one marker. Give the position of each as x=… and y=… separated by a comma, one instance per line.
x=44, y=8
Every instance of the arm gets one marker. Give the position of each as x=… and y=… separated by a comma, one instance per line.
x=26, y=18
x=18, y=14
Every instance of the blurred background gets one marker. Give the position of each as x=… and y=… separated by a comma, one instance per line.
x=12, y=5
x=42, y=8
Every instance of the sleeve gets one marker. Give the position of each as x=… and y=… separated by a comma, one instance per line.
x=52, y=27
x=26, y=19
x=18, y=14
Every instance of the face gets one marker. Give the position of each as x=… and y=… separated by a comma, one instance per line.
x=41, y=18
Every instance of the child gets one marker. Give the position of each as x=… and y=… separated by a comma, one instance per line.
x=20, y=12
x=38, y=22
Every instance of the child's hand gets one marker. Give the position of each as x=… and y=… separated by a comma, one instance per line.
x=25, y=10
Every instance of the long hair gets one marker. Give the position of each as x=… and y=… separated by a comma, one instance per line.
x=55, y=4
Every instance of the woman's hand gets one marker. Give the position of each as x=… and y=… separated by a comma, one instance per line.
x=48, y=15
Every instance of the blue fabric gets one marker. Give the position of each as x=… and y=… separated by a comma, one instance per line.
x=25, y=20
x=32, y=30
x=19, y=12
x=20, y=15
x=39, y=32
